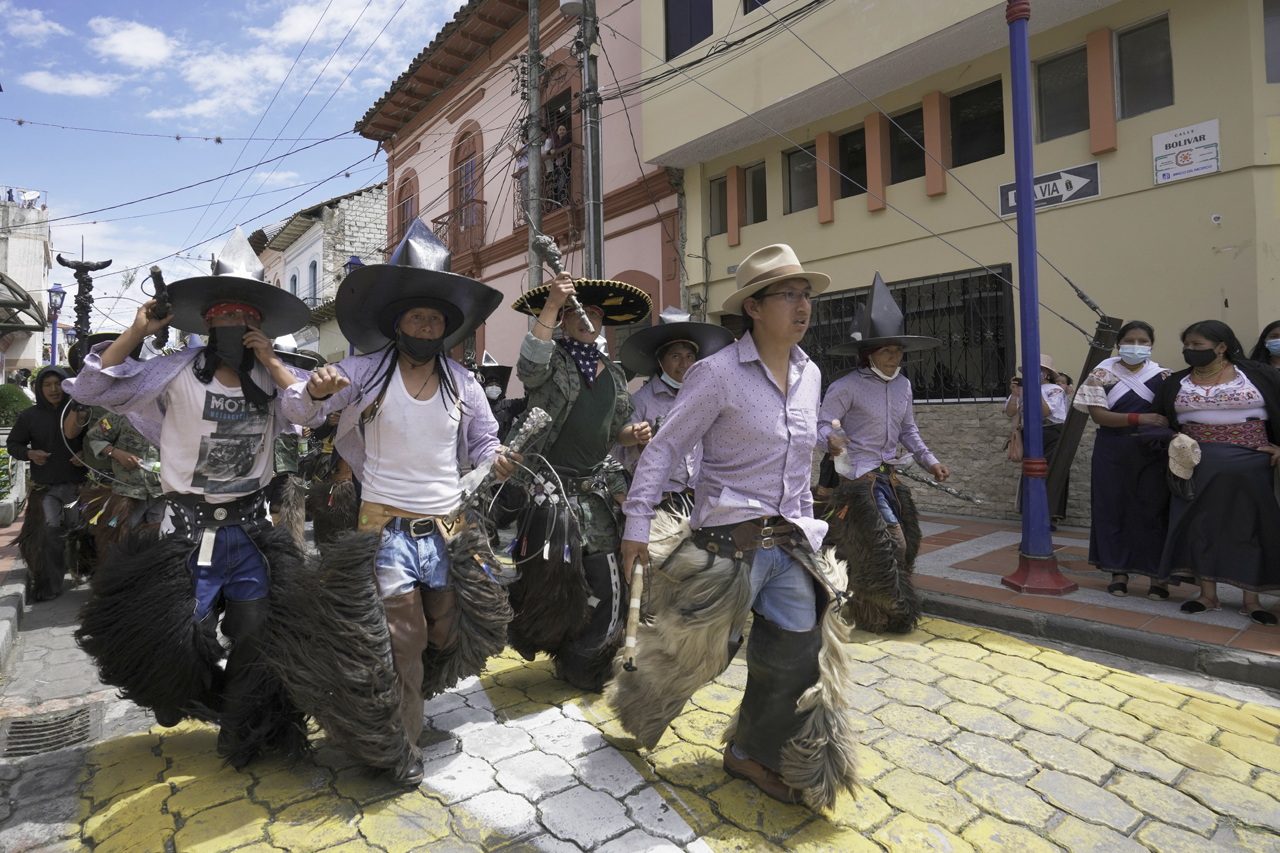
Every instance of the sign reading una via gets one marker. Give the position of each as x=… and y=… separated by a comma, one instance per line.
x=1054, y=188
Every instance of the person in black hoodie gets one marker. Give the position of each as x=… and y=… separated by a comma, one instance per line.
x=57, y=472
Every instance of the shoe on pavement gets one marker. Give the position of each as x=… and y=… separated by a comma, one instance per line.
x=167, y=718
x=768, y=781
x=411, y=775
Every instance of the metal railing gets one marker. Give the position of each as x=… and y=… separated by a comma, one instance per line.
x=561, y=182
x=25, y=198
x=462, y=229
x=971, y=312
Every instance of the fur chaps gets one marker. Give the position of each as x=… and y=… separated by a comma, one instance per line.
x=107, y=516
x=481, y=620
x=696, y=601
x=139, y=626
x=293, y=510
x=332, y=508
x=332, y=652
x=885, y=598
x=549, y=599
x=31, y=545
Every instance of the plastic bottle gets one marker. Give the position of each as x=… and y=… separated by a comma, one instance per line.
x=843, y=466
x=152, y=466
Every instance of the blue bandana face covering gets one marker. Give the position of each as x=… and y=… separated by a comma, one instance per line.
x=586, y=356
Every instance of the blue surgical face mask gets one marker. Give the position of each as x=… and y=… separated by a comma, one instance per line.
x=1273, y=346
x=1136, y=354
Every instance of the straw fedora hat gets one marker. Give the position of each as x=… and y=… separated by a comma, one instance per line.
x=765, y=266
x=1046, y=361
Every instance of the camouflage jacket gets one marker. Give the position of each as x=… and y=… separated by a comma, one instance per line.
x=286, y=453
x=107, y=430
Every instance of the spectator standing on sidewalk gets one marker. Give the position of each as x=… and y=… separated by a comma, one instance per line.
x=1053, y=410
x=1267, y=349
x=1229, y=529
x=1130, y=499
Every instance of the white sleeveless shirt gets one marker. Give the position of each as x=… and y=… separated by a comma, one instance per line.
x=413, y=452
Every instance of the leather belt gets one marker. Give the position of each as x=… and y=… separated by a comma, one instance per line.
x=416, y=527
x=742, y=540
x=576, y=487
x=376, y=516
x=199, y=513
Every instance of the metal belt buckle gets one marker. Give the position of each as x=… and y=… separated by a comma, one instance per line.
x=219, y=514
x=766, y=541
x=420, y=527
x=766, y=531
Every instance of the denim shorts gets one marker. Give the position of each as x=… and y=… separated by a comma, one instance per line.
x=404, y=564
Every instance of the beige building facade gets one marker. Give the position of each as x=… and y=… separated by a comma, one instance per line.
x=1110, y=80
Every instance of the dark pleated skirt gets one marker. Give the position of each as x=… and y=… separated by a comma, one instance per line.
x=1130, y=504
x=1230, y=531
x=1058, y=508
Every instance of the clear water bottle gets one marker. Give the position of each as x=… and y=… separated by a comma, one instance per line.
x=152, y=465
x=841, y=460
x=304, y=446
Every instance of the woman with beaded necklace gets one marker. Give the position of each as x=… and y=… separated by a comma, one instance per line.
x=1229, y=529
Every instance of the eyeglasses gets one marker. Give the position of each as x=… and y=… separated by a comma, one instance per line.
x=792, y=296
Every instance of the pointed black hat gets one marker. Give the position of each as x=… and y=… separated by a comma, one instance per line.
x=372, y=298
x=639, y=353
x=237, y=277
x=880, y=324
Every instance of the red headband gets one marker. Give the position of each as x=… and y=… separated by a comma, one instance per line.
x=231, y=308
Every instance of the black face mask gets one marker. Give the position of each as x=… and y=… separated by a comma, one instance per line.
x=418, y=349
x=1199, y=357
x=228, y=343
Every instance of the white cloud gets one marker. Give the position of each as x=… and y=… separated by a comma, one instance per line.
x=131, y=43
x=276, y=179
x=82, y=83
x=30, y=25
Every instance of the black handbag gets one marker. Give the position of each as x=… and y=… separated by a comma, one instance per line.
x=1180, y=488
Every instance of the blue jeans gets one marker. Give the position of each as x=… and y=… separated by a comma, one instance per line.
x=404, y=564
x=886, y=499
x=782, y=590
x=237, y=571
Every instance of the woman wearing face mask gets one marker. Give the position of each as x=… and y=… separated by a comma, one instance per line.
x=1229, y=531
x=1130, y=499
x=1053, y=410
x=1267, y=349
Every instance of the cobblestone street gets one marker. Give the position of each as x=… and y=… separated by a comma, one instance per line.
x=974, y=741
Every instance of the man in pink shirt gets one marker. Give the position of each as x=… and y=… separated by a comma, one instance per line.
x=752, y=544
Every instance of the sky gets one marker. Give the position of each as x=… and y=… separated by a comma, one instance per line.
x=286, y=72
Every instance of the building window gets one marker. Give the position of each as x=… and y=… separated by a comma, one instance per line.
x=719, y=206
x=977, y=124
x=853, y=163
x=906, y=146
x=1146, y=69
x=688, y=22
x=971, y=312
x=757, y=196
x=1271, y=36
x=1062, y=94
x=751, y=5
x=311, y=281
x=293, y=284
x=408, y=208
x=802, y=179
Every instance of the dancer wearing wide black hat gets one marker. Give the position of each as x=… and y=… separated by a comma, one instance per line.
x=214, y=413
x=570, y=600
x=408, y=605
x=665, y=352
x=865, y=415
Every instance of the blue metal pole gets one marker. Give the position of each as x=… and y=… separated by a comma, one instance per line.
x=1037, y=568
x=53, y=345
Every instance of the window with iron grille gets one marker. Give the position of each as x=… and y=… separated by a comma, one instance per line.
x=971, y=312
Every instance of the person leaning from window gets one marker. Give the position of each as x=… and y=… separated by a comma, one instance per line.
x=1267, y=349
x=1053, y=410
x=57, y=472
x=1229, y=530
x=1130, y=499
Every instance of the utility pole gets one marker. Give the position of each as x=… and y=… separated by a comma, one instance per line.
x=593, y=189
x=533, y=173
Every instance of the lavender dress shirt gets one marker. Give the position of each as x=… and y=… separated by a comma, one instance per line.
x=757, y=444
x=477, y=434
x=876, y=416
x=656, y=400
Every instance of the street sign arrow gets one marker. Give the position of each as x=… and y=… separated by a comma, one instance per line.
x=1054, y=188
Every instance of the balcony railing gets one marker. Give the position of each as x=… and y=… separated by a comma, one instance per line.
x=561, y=182
x=462, y=229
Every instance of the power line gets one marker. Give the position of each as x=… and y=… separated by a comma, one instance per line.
x=836, y=169
x=179, y=137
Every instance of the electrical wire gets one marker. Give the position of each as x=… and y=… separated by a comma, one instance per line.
x=835, y=168
x=179, y=137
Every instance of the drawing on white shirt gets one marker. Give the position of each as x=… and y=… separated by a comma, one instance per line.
x=227, y=456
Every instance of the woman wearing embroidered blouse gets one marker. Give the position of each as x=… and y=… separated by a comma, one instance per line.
x=1267, y=349
x=1130, y=498
x=1053, y=410
x=1229, y=531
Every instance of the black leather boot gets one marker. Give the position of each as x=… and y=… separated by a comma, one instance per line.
x=243, y=624
x=588, y=662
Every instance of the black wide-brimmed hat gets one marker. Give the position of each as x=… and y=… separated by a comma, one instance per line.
x=621, y=303
x=372, y=298
x=880, y=324
x=639, y=354
x=237, y=277
x=287, y=349
x=81, y=348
